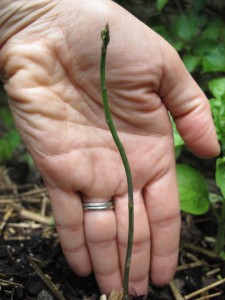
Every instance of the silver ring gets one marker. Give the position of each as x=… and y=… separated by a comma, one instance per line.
x=98, y=205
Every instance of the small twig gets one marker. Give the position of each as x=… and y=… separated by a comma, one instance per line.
x=6, y=217
x=17, y=238
x=191, y=256
x=8, y=282
x=211, y=286
x=46, y=280
x=209, y=239
x=175, y=291
x=44, y=205
x=116, y=295
x=210, y=296
x=212, y=272
x=103, y=297
x=4, y=201
x=191, y=265
x=24, y=194
x=200, y=250
x=24, y=213
x=29, y=225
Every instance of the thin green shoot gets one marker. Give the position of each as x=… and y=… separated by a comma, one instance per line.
x=105, y=41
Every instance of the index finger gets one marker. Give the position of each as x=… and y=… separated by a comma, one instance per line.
x=188, y=105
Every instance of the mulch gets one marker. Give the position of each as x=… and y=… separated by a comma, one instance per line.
x=32, y=265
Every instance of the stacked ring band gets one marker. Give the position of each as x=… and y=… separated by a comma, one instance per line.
x=98, y=206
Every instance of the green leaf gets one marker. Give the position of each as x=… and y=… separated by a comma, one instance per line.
x=213, y=30
x=222, y=255
x=203, y=46
x=178, y=45
x=8, y=144
x=185, y=26
x=161, y=30
x=215, y=198
x=198, y=5
x=191, y=62
x=178, y=151
x=217, y=87
x=193, y=190
x=214, y=61
x=160, y=4
x=6, y=116
x=178, y=141
x=220, y=174
x=218, y=112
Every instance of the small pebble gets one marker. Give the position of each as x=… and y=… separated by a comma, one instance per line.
x=44, y=295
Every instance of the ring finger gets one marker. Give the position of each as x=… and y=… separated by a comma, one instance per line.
x=101, y=237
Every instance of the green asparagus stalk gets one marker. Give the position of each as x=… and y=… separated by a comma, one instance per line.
x=105, y=41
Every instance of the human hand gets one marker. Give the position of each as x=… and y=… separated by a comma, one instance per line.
x=51, y=67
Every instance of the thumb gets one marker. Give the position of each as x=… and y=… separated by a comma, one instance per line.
x=188, y=105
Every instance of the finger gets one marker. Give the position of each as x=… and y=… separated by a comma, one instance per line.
x=161, y=198
x=68, y=215
x=100, y=231
x=139, y=272
x=188, y=106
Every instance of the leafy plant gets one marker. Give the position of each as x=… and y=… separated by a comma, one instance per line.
x=197, y=36
x=160, y=4
x=220, y=181
x=193, y=190
x=196, y=199
x=217, y=88
x=178, y=141
x=9, y=137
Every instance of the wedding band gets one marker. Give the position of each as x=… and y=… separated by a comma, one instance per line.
x=98, y=206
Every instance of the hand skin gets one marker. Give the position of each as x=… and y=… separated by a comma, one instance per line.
x=50, y=66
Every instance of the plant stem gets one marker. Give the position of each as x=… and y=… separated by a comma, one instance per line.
x=109, y=121
x=220, y=237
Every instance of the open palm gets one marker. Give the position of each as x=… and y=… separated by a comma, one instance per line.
x=52, y=67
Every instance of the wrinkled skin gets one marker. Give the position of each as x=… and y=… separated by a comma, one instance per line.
x=51, y=72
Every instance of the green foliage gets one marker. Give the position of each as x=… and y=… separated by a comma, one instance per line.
x=8, y=144
x=194, y=196
x=191, y=61
x=6, y=117
x=197, y=36
x=220, y=175
x=214, y=60
x=178, y=141
x=193, y=190
x=185, y=27
x=200, y=40
x=9, y=138
x=217, y=88
x=220, y=181
x=160, y=4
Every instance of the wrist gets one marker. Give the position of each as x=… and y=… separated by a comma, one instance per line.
x=15, y=15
